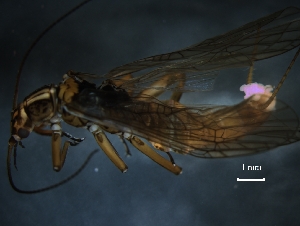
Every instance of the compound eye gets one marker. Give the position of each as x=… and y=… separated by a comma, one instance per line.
x=23, y=133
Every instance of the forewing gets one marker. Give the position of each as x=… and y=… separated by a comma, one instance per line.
x=280, y=128
x=203, y=131
x=266, y=37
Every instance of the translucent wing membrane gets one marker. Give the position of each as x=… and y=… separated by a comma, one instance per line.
x=266, y=37
x=204, y=131
x=253, y=136
x=125, y=103
x=186, y=82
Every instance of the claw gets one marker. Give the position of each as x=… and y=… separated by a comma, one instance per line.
x=127, y=151
x=74, y=140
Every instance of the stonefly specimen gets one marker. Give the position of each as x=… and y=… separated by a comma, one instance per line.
x=127, y=103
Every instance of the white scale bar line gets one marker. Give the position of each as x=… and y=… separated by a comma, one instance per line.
x=238, y=179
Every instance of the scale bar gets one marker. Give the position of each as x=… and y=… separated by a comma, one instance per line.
x=238, y=179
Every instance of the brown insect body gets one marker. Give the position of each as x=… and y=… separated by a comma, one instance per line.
x=204, y=131
x=127, y=102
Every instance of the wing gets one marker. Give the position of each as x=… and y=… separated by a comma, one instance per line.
x=266, y=37
x=204, y=131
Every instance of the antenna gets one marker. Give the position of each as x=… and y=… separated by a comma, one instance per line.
x=12, y=147
x=15, y=100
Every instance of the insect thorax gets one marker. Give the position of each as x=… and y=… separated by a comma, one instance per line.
x=79, y=92
x=36, y=109
x=41, y=105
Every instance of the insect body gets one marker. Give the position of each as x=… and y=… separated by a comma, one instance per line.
x=127, y=104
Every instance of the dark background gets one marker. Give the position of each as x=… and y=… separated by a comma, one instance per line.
x=103, y=35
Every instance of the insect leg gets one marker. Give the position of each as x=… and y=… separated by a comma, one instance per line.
x=107, y=147
x=174, y=100
x=254, y=52
x=122, y=80
x=158, y=87
x=148, y=151
x=281, y=81
x=177, y=93
x=250, y=74
x=44, y=132
x=127, y=151
x=75, y=140
x=58, y=155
